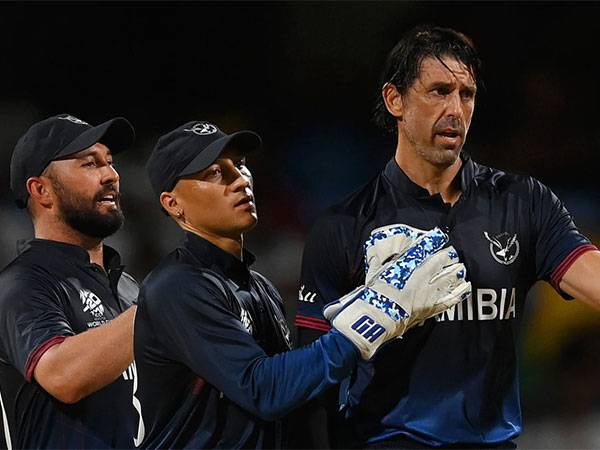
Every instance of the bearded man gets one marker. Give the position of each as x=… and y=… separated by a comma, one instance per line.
x=66, y=314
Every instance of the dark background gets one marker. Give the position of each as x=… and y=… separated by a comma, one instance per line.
x=304, y=76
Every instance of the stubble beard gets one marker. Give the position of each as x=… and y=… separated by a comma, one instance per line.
x=436, y=156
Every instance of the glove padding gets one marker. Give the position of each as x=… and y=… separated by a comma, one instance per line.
x=423, y=281
x=387, y=242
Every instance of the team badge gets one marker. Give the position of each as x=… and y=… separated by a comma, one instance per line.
x=202, y=128
x=503, y=247
x=91, y=303
x=73, y=119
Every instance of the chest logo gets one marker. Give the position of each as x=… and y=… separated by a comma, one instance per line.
x=246, y=321
x=91, y=303
x=503, y=247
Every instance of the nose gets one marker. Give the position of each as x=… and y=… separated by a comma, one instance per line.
x=109, y=174
x=454, y=106
x=239, y=181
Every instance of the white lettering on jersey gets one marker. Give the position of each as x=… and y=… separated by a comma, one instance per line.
x=5, y=424
x=490, y=305
x=141, y=431
x=308, y=297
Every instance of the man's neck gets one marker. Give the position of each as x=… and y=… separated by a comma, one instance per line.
x=436, y=179
x=232, y=245
x=61, y=232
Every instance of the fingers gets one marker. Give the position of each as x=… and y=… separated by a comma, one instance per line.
x=386, y=242
x=398, y=272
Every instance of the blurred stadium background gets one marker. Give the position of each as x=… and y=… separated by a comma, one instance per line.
x=304, y=76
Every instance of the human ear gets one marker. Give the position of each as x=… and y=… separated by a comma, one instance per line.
x=169, y=202
x=392, y=100
x=40, y=190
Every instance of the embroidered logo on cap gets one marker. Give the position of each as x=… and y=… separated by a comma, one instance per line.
x=73, y=119
x=202, y=129
x=503, y=247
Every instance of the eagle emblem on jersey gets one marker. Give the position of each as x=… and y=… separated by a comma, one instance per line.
x=91, y=303
x=504, y=247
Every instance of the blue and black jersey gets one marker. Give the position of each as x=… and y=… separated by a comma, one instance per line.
x=211, y=349
x=49, y=292
x=455, y=378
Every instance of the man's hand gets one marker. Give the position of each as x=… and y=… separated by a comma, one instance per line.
x=420, y=283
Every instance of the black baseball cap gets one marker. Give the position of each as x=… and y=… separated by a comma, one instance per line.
x=191, y=148
x=57, y=137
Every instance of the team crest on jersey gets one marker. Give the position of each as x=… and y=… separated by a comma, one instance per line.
x=202, y=128
x=246, y=321
x=91, y=303
x=504, y=247
x=73, y=119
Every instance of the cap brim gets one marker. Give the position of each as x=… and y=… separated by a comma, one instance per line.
x=244, y=141
x=117, y=134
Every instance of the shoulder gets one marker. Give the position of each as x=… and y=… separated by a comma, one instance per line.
x=25, y=282
x=352, y=209
x=504, y=182
x=175, y=280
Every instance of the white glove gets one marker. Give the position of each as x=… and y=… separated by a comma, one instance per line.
x=421, y=282
x=385, y=243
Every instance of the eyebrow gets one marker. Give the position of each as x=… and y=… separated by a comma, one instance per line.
x=87, y=152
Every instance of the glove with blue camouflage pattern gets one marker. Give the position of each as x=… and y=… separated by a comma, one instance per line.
x=422, y=281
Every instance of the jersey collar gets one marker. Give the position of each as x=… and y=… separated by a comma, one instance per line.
x=398, y=179
x=112, y=259
x=218, y=260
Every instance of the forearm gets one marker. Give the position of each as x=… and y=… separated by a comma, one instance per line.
x=276, y=385
x=582, y=280
x=86, y=362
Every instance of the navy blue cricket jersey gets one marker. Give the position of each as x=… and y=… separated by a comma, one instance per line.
x=49, y=292
x=211, y=349
x=455, y=378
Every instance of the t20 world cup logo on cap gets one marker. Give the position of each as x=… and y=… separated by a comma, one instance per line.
x=202, y=128
x=503, y=247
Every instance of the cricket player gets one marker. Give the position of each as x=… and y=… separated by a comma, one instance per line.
x=66, y=314
x=454, y=380
x=211, y=342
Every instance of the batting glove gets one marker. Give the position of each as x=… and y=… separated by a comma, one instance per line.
x=423, y=281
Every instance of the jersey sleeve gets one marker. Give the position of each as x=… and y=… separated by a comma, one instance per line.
x=32, y=320
x=324, y=273
x=558, y=242
x=199, y=330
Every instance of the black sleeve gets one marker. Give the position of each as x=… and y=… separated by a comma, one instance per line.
x=32, y=319
x=325, y=272
x=558, y=241
x=325, y=278
x=191, y=314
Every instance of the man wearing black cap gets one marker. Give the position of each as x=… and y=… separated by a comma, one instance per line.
x=66, y=314
x=211, y=342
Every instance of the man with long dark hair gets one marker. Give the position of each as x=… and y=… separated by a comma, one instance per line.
x=454, y=380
